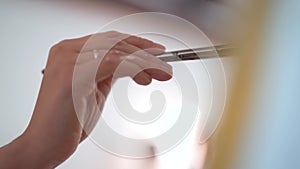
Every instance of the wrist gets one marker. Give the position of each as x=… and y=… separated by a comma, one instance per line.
x=20, y=153
x=40, y=151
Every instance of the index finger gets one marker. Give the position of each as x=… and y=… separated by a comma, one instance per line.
x=109, y=39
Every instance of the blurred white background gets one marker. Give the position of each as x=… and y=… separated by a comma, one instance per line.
x=28, y=30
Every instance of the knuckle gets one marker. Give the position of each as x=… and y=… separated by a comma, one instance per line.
x=112, y=33
x=111, y=59
x=108, y=60
x=58, y=52
x=115, y=52
x=137, y=39
x=60, y=46
x=113, y=41
x=121, y=44
x=117, y=36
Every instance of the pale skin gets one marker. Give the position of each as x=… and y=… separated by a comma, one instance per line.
x=56, y=129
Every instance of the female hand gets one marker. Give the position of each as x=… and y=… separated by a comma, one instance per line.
x=77, y=79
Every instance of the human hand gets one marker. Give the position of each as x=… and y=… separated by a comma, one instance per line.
x=74, y=90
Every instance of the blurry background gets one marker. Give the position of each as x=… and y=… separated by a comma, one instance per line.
x=270, y=137
x=30, y=28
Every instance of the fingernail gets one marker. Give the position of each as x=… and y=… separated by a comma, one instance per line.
x=167, y=68
x=144, y=80
x=155, y=51
x=159, y=46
